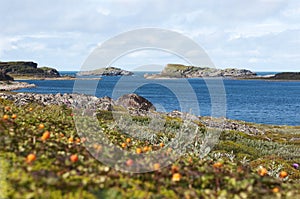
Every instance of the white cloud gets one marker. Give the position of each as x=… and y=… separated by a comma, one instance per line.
x=103, y=11
x=258, y=34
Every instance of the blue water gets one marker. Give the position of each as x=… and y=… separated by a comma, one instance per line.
x=267, y=102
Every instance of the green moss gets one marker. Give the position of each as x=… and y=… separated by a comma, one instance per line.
x=53, y=175
x=237, y=148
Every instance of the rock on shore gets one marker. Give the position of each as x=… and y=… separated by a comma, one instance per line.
x=130, y=101
x=12, y=85
x=136, y=102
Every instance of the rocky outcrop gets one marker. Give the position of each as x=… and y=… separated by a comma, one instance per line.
x=131, y=102
x=70, y=100
x=287, y=76
x=136, y=105
x=182, y=71
x=220, y=123
x=134, y=101
x=50, y=72
x=5, y=77
x=109, y=71
x=28, y=69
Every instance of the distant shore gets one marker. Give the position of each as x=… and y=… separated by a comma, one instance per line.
x=54, y=78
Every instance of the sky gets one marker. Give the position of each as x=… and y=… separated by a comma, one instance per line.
x=259, y=35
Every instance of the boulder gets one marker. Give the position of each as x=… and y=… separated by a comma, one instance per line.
x=134, y=101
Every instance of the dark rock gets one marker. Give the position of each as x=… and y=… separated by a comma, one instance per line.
x=287, y=76
x=20, y=68
x=5, y=77
x=133, y=101
x=50, y=72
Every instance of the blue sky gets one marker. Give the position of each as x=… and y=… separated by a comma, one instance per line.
x=260, y=35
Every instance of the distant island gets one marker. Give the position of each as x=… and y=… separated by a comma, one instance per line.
x=182, y=71
x=109, y=71
x=26, y=70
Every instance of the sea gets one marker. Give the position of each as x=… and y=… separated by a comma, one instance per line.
x=258, y=101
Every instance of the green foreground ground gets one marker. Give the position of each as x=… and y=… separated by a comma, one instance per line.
x=239, y=166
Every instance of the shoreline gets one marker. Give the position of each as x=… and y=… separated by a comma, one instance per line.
x=106, y=104
x=55, y=78
x=220, y=77
x=14, y=85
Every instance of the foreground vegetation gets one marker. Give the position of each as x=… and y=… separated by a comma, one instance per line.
x=42, y=156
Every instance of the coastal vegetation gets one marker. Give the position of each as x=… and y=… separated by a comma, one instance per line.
x=43, y=156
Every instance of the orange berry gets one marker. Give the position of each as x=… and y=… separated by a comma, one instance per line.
x=240, y=169
x=218, y=165
x=46, y=135
x=78, y=140
x=41, y=126
x=161, y=144
x=176, y=177
x=62, y=135
x=30, y=109
x=262, y=171
x=123, y=145
x=97, y=147
x=129, y=162
x=174, y=169
x=128, y=140
x=71, y=140
x=7, y=108
x=74, y=158
x=14, y=116
x=145, y=148
x=275, y=190
x=5, y=117
x=138, y=150
x=283, y=174
x=30, y=158
x=156, y=166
